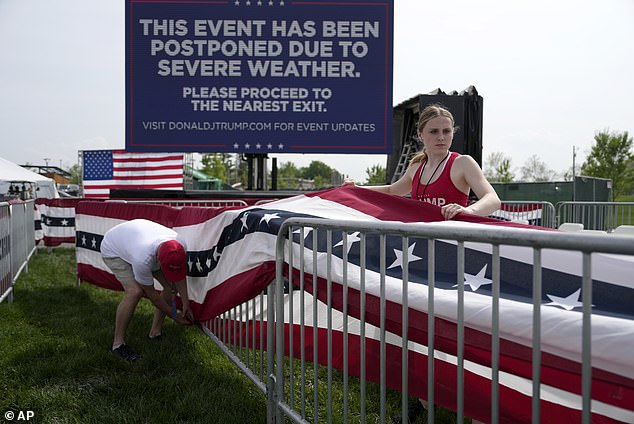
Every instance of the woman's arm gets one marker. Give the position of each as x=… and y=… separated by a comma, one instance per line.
x=488, y=200
x=399, y=188
x=470, y=176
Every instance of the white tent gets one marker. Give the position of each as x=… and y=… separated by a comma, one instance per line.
x=11, y=173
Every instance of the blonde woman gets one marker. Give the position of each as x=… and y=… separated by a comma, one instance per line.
x=439, y=176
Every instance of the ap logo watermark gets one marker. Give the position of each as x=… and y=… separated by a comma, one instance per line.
x=19, y=415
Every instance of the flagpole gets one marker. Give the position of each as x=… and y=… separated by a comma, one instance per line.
x=80, y=177
x=574, y=175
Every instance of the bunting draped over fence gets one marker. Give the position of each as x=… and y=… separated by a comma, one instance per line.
x=55, y=221
x=232, y=258
x=117, y=169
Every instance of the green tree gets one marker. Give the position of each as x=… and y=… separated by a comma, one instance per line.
x=75, y=173
x=376, y=174
x=216, y=165
x=317, y=168
x=611, y=157
x=498, y=168
x=287, y=175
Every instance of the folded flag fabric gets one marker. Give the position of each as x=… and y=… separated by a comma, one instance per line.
x=231, y=259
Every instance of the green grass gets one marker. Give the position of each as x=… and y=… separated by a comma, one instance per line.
x=55, y=361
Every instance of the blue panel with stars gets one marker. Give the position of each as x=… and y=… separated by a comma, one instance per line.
x=259, y=76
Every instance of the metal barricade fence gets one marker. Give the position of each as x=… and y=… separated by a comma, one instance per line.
x=540, y=213
x=604, y=216
x=17, y=244
x=207, y=203
x=5, y=252
x=271, y=362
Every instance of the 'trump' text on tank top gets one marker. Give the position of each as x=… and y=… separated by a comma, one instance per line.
x=442, y=191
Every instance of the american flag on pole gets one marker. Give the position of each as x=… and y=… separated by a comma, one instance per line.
x=231, y=259
x=104, y=170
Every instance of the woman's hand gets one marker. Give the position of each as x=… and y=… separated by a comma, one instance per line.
x=453, y=209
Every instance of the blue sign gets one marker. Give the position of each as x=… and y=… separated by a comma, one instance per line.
x=259, y=76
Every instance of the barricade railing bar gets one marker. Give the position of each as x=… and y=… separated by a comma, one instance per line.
x=295, y=306
x=17, y=243
x=207, y=203
x=603, y=216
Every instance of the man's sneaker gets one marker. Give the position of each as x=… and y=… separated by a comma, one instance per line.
x=125, y=352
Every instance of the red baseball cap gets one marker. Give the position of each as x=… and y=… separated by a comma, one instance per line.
x=171, y=256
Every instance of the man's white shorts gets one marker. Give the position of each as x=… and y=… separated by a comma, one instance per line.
x=121, y=269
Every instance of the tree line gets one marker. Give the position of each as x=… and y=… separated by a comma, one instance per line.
x=232, y=169
x=611, y=156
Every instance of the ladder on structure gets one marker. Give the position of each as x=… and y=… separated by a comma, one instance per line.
x=406, y=152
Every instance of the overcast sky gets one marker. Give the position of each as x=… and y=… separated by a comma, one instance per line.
x=551, y=73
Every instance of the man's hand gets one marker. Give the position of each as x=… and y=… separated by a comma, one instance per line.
x=187, y=313
x=180, y=319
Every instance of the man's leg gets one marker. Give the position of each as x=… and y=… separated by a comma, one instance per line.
x=159, y=316
x=131, y=296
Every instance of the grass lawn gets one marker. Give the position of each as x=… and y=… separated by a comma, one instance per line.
x=55, y=359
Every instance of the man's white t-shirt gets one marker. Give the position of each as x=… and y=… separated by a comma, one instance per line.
x=137, y=242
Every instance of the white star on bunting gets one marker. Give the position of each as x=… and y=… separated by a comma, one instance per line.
x=399, y=257
x=475, y=281
x=352, y=238
x=568, y=303
x=269, y=216
x=307, y=231
x=244, y=221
